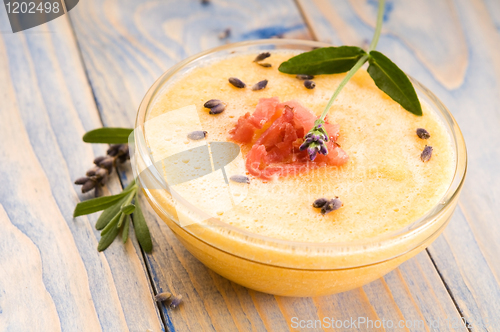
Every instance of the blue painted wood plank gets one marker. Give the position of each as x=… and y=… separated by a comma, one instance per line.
x=123, y=56
x=454, y=53
x=128, y=44
x=46, y=107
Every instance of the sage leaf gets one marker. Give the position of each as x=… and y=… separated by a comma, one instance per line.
x=128, y=209
x=325, y=60
x=110, y=235
x=97, y=204
x=394, y=82
x=141, y=229
x=126, y=227
x=108, y=135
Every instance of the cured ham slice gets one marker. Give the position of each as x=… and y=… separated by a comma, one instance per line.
x=275, y=151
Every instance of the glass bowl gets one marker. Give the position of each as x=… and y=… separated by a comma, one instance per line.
x=281, y=267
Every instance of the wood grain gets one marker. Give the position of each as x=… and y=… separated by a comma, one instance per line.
x=21, y=285
x=127, y=45
x=467, y=255
x=49, y=99
x=122, y=58
x=47, y=105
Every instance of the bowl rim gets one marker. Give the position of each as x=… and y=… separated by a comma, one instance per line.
x=425, y=222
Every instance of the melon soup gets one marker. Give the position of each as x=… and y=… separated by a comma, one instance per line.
x=265, y=234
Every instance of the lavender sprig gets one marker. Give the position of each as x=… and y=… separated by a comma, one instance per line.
x=118, y=208
x=315, y=140
x=312, y=142
x=98, y=175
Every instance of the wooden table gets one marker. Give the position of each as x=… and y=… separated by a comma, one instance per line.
x=92, y=67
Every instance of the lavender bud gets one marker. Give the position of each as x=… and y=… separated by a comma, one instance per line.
x=304, y=146
x=332, y=205
x=320, y=202
x=426, y=154
x=260, y=85
x=320, y=141
x=113, y=150
x=197, y=135
x=309, y=84
x=240, y=178
x=313, y=156
x=123, y=158
x=175, y=301
x=98, y=192
x=123, y=150
x=99, y=159
x=262, y=56
x=305, y=77
x=107, y=163
x=212, y=103
x=423, y=134
x=217, y=109
x=81, y=180
x=88, y=186
x=236, y=82
x=91, y=172
x=323, y=150
x=312, y=153
x=226, y=33
x=103, y=180
x=101, y=172
x=163, y=296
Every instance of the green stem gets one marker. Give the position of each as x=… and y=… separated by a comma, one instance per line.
x=360, y=62
x=378, y=27
x=346, y=79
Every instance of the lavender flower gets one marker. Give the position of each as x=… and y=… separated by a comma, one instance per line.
x=314, y=141
x=163, y=296
x=97, y=176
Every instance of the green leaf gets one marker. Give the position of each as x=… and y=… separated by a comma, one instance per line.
x=108, y=234
x=394, y=82
x=113, y=210
x=109, y=214
x=126, y=227
x=108, y=135
x=112, y=224
x=141, y=229
x=325, y=60
x=120, y=221
x=97, y=204
x=128, y=209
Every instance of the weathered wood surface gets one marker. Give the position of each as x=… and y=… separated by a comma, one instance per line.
x=123, y=57
x=452, y=48
x=50, y=97
x=51, y=275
